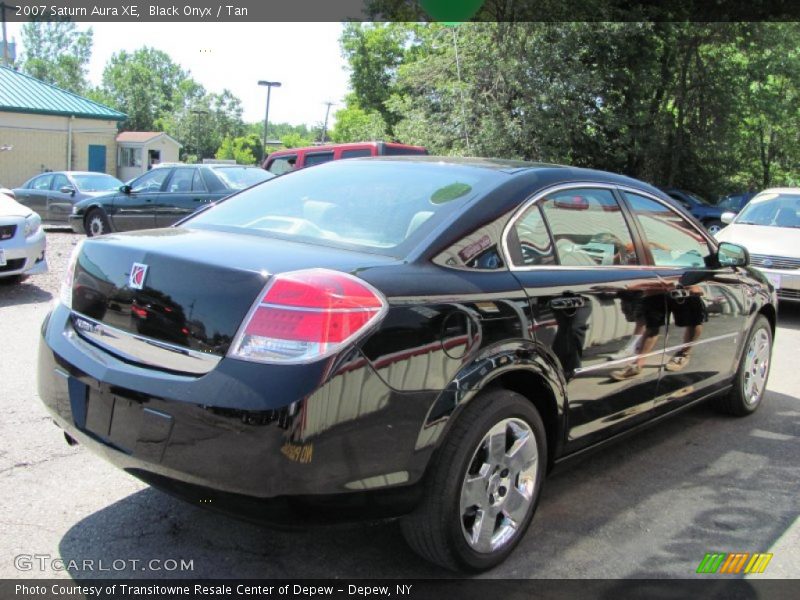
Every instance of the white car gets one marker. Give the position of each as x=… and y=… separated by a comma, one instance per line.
x=769, y=227
x=22, y=240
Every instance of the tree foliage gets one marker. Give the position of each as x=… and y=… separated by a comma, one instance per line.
x=710, y=107
x=56, y=52
x=245, y=150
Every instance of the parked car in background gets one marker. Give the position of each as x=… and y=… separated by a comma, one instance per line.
x=22, y=241
x=161, y=197
x=282, y=161
x=735, y=202
x=769, y=227
x=702, y=210
x=421, y=337
x=52, y=195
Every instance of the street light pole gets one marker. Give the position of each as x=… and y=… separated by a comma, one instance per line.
x=270, y=85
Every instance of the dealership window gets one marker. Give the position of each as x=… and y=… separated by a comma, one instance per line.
x=671, y=240
x=130, y=157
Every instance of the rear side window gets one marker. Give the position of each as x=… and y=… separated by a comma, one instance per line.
x=317, y=158
x=670, y=239
x=356, y=153
x=530, y=243
x=588, y=228
x=282, y=164
x=41, y=183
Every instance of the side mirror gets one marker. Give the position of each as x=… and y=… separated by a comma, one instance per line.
x=733, y=255
x=67, y=189
x=125, y=189
x=727, y=217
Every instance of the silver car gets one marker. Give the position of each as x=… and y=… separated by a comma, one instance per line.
x=52, y=195
x=22, y=240
x=769, y=227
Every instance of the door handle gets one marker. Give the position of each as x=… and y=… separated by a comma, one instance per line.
x=567, y=303
x=679, y=294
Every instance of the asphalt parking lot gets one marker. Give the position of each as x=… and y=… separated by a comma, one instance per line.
x=650, y=506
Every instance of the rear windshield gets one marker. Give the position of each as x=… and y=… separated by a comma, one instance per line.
x=372, y=206
x=96, y=183
x=238, y=178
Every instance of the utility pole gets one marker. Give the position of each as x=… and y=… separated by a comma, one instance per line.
x=328, y=104
x=269, y=85
x=3, y=7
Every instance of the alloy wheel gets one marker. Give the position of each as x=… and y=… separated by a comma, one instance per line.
x=498, y=488
x=756, y=367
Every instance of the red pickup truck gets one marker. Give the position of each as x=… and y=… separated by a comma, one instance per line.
x=282, y=161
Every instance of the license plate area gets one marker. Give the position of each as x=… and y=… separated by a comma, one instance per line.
x=125, y=423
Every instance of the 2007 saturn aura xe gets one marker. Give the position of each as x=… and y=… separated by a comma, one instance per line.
x=410, y=336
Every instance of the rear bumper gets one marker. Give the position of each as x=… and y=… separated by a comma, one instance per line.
x=24, y=256
x=242, y=433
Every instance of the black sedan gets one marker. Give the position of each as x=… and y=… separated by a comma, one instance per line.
x=161, y=197
x=415, y=337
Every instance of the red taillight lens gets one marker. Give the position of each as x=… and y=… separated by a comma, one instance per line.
x=306, y=315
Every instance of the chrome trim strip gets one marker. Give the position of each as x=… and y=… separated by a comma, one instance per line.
x=629, y=359
x=144, y=350
x=584, y=184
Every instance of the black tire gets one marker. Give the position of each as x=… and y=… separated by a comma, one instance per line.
x=741, y=401
x=96, y=223
x=714, y=227
x=437, y=530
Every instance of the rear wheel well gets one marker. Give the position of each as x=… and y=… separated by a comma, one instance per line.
x=538, y=392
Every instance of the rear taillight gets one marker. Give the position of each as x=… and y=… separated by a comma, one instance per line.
x=69, y=278
x=303, y=316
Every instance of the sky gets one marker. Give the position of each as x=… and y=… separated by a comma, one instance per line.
x=304, y=57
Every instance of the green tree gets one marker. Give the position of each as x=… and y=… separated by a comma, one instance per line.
x=354, y=124
x=244, y=150
x=56, y=52
x=148, y=86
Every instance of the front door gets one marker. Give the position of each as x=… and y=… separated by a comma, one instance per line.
x=97, y=158
x=705, y=303
x=59, y=204
x=137, y=209
x=601, y=313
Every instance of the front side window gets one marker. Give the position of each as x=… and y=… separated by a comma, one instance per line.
x=150, y=181
x=670, y=239
x=588, y=228
x=42, y=183
x=60, y=181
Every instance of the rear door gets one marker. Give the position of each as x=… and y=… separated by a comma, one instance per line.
x=176, y=201
x=705, y=302
x=595, y=306
x=35, y=195
x=137, y=210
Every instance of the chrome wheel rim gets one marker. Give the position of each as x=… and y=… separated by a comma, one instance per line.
x=96, y=226
x=714, y=229
x=498, y=488
x=756, y=367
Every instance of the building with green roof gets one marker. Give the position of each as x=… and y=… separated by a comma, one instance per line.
x=44, y=128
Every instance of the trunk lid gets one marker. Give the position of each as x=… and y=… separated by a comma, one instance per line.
x=196, y=286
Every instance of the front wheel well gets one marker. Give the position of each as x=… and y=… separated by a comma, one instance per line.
x=538, y=392
x=772, y=316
